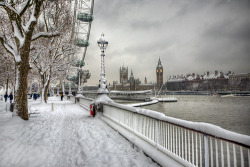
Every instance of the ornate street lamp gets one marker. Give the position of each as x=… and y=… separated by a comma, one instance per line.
x=79, y=80
x=69, y=82
x=102, y=91
x=80, y=64
x=63, y=85
x=70, y=92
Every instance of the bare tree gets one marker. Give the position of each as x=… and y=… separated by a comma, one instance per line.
x=51, y=61
x=50, y=54
x=18, y=31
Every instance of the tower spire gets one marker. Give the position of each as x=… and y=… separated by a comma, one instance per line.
x=159, y=74
x=159, y=61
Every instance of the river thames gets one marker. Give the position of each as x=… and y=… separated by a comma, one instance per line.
x=231, y=113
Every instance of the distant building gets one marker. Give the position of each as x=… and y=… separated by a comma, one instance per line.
x=239, y=82
x=176, y=83
x=211, y=82
x=195, y=82
x=131, y=83
x=123, y=75
x=159, y=74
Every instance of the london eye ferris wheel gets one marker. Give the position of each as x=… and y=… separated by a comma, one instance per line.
x=82, y=20
x=83, y=17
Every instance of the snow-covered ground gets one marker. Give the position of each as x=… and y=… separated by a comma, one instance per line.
x=65, y=137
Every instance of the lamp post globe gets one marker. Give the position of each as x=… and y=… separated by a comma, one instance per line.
x=102, y=43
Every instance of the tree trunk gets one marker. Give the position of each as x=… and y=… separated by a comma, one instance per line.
x=21, y=88
x=43, y=85
x=42, y=95
x=7, y=85
x=46, y=91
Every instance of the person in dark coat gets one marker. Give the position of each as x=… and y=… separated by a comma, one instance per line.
x=6, y=96
x=35, y=96
x=61, y=96
x=11, y=97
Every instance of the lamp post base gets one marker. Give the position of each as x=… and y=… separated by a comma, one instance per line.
x=103, y=98
x=79, y=94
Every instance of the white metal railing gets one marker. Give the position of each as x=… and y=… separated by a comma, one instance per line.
x=84, y=101
x=189, y=143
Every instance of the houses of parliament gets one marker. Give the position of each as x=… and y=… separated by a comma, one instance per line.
x=134, y=84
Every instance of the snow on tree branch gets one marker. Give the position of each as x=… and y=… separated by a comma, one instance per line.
x=11, y=48
x=11, y=8
x=31, y=20
x=18, y=34
x=45, y=35
x=23, y=7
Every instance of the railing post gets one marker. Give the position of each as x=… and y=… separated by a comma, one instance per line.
x=205, y=151
x=189, y=151
x=222, y=153
x=248, y=153
x=211, y=152
x=156, y=132
x=133, y=122
x=203, y=145
x=228, y=155
x=216, y=153
x=201, y=158
x=192, y=145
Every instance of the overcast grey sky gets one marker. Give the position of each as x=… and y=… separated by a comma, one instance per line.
x=188, y=35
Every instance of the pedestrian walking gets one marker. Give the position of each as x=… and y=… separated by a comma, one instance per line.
x=35, y=96
x=11, y=97
x=61, y=96
x=6, y=96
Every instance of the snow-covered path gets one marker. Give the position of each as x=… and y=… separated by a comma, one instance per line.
x=65, y=137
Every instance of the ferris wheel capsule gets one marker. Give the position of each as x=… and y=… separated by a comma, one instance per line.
x=85, y=17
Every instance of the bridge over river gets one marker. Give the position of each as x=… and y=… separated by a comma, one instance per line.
x=122, y=95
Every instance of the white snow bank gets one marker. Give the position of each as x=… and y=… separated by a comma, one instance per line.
x=143, y=104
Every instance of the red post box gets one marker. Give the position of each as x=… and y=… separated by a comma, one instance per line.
x=92, y=109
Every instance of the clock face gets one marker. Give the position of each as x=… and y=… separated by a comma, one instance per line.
x=160, y=70
x=156, y=70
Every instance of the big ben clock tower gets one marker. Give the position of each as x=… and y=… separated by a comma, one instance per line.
x=159, y=74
